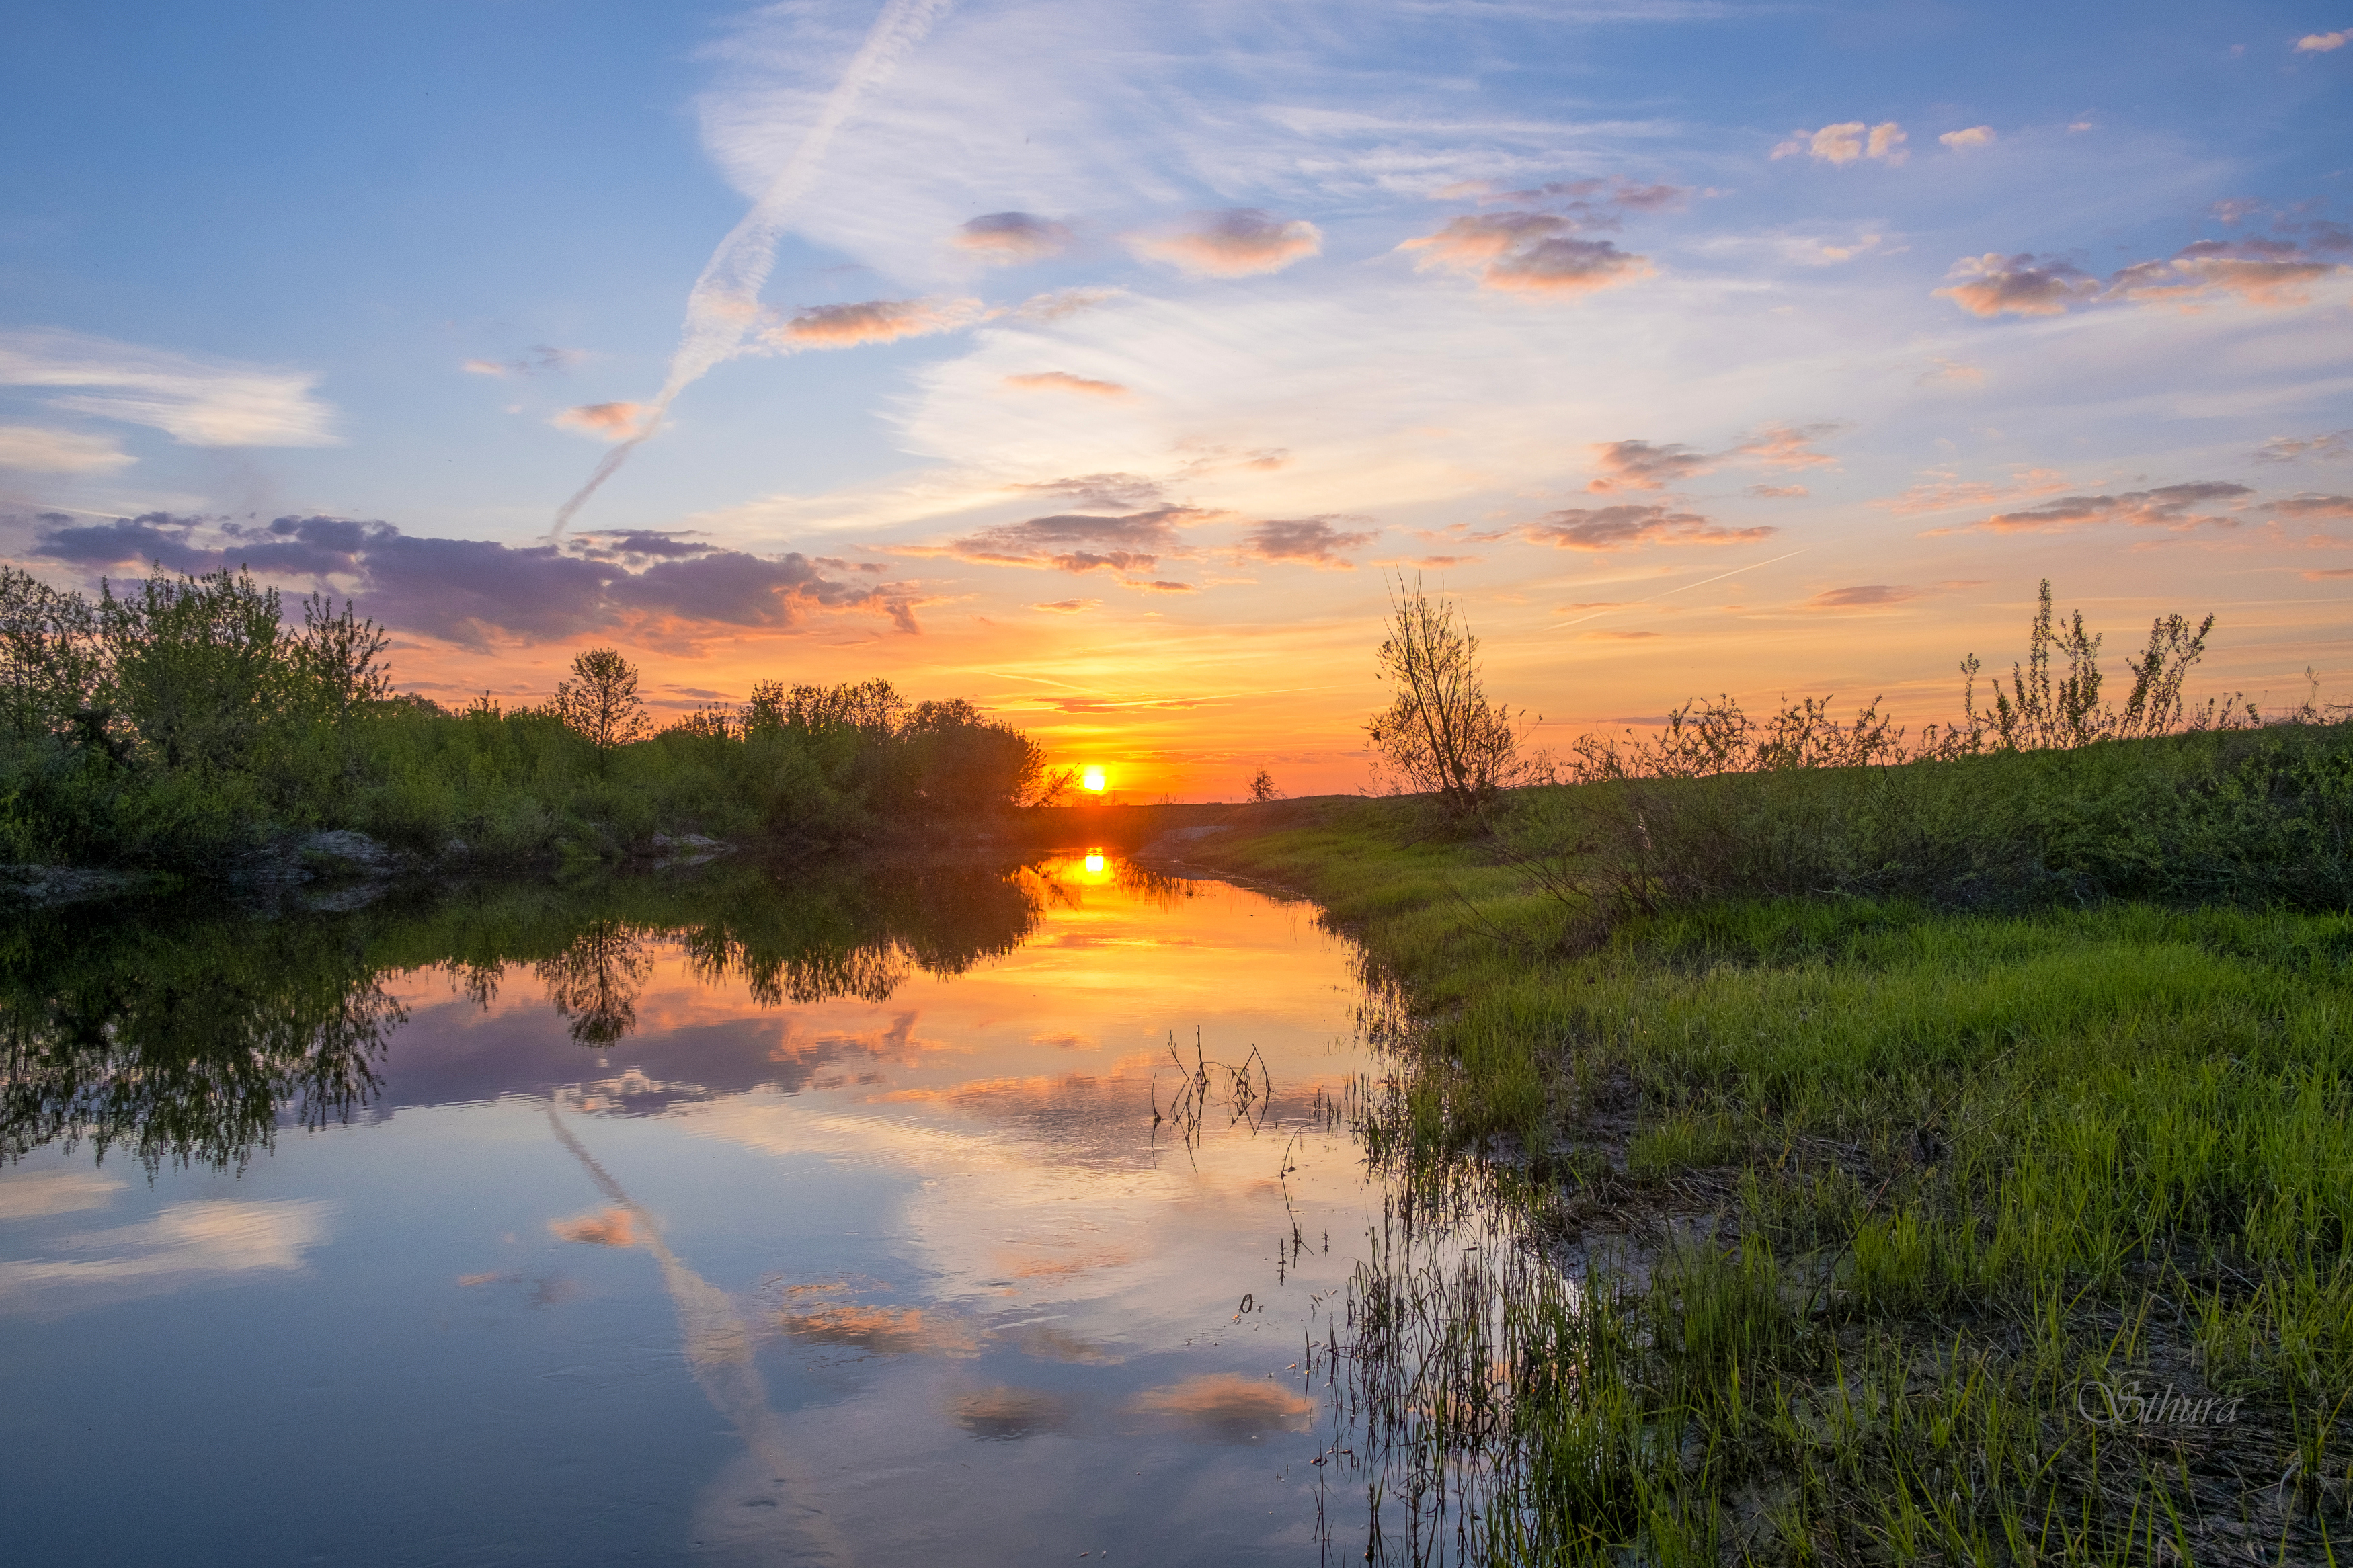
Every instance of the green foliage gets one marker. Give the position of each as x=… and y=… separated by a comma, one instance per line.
x=180, y=723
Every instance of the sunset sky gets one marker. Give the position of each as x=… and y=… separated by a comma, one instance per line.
x=1100, y=362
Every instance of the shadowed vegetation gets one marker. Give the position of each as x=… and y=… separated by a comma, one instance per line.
x=184, y=726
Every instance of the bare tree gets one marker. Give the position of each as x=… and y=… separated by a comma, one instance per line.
x=1439, y=734
x=600, y=702
x=1262, y=788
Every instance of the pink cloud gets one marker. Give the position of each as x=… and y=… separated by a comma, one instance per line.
x=872, y=322
x=1236, y=243
x=1777, y=492
x=1945, y=492
x=1848, y=141
x=1974, y=136
x=1624, y=527
x=2311, y=507
x=1642, y=466
x=1789, y=446
x=2261, y=271
x=2290, y=448
x=605, y=421
x=2321, y=43
x=1007, y=240
x=2167, y=506
x=1868, y=596
x=1063, y=381
x=1566, y=267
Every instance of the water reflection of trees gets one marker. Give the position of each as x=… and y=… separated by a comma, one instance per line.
x=189, y=1036
x=184, y=1043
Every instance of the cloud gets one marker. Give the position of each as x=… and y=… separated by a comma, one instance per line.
x=872, y=322
x=2167, y=506
x=1623, y=527
x=2327, y=573
x=31, y=1193
x=541, y=360
x=1777, y=492
x=29, y=448
x=1789, y=446
x=1007, y=240
x=605, y=421
x=1619, y=636
x=1975, y=136
x=1846, y=143
x=1945, y=492
x=2321, y=43
x=1313, y=540
x=1113, y=491
x=1063, y=381
x=1870, y=595
x=1441, y=562
x=1236, y=243
x=1474, y=240
x=1130, y=542
x=1566, y=267
x=1006, y=1414
x=473, y=591
x=1952, y=372
x=1229, y=1407
x=1068, y=606
x=2311, y=507
x=1989, y=285
x=1063, y=304
x=185, y=1243
x=2292, y=448
x=1642, y=466
x=2262, y=271
x=198, y=402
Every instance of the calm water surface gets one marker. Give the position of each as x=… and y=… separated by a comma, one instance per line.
x=737, y=1217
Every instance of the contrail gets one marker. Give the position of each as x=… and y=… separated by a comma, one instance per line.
x=725, y=303
x=1703, y=583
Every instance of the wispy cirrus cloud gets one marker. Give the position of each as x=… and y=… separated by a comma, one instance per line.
x=32, y=450
x=1865, y=597
x=476, y=592
x=539, y=359
x=1063, y=381
x=2165, y=506
x=1625, y=527
x=2295, y=448
x=1239, y=242
x=196, y=402
x=1944, y=490
x=1007, y=239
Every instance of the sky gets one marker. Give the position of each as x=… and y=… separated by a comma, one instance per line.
x=1108, y=364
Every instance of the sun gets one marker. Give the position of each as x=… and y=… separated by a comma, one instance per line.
x=1092, y=779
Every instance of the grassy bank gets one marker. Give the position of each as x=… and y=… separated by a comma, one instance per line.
x=1914, y=1123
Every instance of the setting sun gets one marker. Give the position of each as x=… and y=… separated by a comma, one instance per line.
x=1092, y=779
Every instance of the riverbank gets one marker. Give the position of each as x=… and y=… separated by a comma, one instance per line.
x=2005, y=1220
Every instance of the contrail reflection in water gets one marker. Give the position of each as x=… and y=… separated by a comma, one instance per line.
x=719, y=1348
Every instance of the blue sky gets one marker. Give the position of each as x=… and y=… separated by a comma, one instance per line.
x=1112, y=353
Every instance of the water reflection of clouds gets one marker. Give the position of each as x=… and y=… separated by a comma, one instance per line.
x=206, y=1239
x=28, y=1194
x=1228, y=1407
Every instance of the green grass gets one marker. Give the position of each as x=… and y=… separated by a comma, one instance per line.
x=1880, y=1184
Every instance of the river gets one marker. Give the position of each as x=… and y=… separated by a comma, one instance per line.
x=935, y=1213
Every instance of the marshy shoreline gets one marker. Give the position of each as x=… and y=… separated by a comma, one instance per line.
x=1853, y=1131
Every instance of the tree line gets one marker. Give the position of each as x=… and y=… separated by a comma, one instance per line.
x=188, y=722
